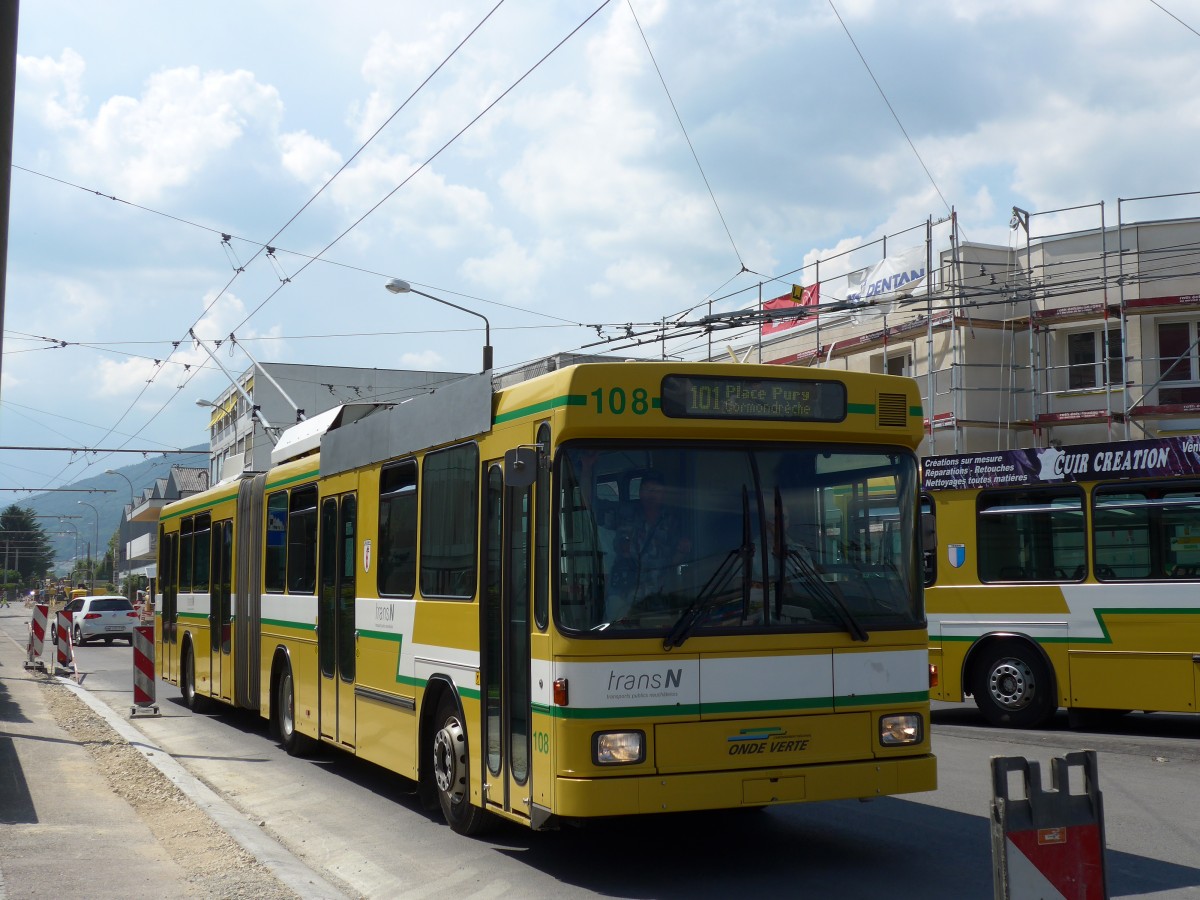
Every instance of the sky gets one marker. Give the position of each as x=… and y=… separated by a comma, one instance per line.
x=574, y=172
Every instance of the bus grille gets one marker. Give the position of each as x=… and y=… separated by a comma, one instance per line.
x=891, y=410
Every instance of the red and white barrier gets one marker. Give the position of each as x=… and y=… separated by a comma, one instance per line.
x=143, y=671
x=66, y=650
x=37, y=638
x=1048, y=844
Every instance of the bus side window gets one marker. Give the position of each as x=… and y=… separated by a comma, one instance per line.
x=302, y=540
x=929, y=540
x=275, y=563
x=397, y=572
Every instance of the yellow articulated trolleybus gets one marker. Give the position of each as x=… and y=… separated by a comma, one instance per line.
x=1066, y=577
x=613, y=589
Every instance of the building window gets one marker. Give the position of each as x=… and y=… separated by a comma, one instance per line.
x=1087, y=352
x=1177, y=362
x=893, y=363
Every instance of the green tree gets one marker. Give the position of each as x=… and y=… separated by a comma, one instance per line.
x=26, y=547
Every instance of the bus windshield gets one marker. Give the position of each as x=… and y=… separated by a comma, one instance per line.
x=682, y=540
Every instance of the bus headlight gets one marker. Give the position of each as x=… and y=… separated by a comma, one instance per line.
x=618, y=748
x=906, y=728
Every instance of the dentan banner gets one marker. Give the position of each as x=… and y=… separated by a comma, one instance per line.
x=889, y=278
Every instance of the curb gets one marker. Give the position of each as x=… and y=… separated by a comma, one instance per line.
x=282, y=864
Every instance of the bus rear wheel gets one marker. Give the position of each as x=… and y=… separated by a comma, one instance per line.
x=295, y=743
x=187, y=683
x=450, y=766
x=1013, y=687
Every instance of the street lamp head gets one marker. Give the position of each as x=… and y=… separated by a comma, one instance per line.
x=111, y=472
x=399, y=286
x=206, y=403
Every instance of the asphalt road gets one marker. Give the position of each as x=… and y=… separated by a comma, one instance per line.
x=363, y=826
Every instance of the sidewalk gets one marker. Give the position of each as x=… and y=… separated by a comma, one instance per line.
x=65, y=831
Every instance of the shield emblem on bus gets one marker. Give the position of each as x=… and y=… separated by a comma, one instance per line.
x=957, y=554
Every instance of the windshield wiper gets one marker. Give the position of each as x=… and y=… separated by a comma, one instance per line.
x=716, y=584
x=801, y=568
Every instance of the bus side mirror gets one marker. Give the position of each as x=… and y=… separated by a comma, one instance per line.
x=520, y=466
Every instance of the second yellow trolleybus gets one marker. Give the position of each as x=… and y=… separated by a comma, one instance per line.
x=1066, y=576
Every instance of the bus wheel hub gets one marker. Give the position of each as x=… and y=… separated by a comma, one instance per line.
x=448, y=762
x=1011, y=684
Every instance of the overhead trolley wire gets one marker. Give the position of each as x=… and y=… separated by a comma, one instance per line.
x=430, y=159
x=891, y=109
x=687, y=137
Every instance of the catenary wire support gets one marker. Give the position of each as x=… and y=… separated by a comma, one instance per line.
x=227, y=246
x=278, y=266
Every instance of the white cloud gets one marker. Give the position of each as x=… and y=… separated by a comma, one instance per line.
x=429, y=360
x=53, y=87
x=142, y=146
x=308, y=159
x=510, y=266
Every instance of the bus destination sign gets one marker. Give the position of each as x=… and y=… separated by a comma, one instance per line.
x=775, y=399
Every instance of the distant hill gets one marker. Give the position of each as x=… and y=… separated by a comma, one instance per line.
x=141, y=474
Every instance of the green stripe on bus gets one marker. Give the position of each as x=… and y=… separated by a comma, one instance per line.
x=211, y=502
x=422, y=683
x=862, y=409
x=271, y=485
x=199, y=507
x=284, y=623
x=1104, y=638
x=622, y=712
x=544, y=406
x=382, y=636
x=917, y=411
x=883, y=699
x=791, y=704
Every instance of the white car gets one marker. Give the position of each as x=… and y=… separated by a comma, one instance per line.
x=107, y=618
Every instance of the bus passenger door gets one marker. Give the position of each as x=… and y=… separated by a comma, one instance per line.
x=337, y=638
x=168, y=606
x=220, y=610
x=506, y=623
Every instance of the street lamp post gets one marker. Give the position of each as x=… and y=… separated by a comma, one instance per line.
x=62, y=521
x=396, y=286
x=90, y=566
x=129, y=529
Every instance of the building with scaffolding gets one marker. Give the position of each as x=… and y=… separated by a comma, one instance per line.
x=1080, y=337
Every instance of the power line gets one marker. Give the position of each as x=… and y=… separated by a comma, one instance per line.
x=431, y=158
x=154, y=452
x=888, y=102
x=1176, y=18
x=687, y=137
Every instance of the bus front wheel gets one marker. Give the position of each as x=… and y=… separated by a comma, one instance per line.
x=451, y=768
x=1013, y=687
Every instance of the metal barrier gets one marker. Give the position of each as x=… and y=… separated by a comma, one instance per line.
x=143, y=672
x=1048, y=844
x=37, y=638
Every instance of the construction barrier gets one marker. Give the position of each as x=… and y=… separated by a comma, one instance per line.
x=37, y=638
x=143, y=671
x=1048, y=844
x=65, y=656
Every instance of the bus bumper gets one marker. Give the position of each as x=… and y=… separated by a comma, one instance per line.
x=588, y=797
